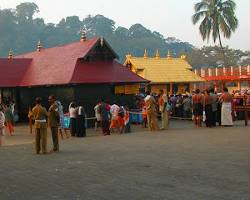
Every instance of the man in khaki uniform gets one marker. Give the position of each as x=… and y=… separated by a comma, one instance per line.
x=53, y=121
x=40, y=115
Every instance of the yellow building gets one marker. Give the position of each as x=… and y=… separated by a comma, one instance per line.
x=171, y=74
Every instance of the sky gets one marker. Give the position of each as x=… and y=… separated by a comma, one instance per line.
x=171, y=18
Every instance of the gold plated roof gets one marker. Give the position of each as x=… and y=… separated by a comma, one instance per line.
x=163, y=70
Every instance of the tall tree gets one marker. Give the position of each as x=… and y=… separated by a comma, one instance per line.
x=26, y=11
x=217, y=17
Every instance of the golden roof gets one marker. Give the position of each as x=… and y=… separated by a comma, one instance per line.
x=163, y=70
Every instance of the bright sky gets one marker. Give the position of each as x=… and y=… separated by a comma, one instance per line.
x=169, y=17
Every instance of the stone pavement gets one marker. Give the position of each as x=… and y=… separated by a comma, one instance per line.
x=180, y=163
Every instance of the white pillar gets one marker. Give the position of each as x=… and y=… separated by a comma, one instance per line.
x=209, y=72
x=216, y=71
x=202, y=73
x=224, y=71
x=232, y=70
x=240, y=70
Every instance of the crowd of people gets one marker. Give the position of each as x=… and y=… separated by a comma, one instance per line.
x=207, y=106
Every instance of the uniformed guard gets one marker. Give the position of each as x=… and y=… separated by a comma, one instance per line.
x=40, y=116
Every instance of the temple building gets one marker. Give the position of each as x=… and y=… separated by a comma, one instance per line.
x=234, y=77
x=173, y=75
x=83, y=71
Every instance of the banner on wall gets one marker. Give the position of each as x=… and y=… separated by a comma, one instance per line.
x=156, y=88
x=132, y=89
x=119, y=89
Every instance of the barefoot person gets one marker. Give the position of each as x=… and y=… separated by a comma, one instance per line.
x=226, y=108
x=40, y=116
x=53, y=121
x=197, y=100
x=162, y=102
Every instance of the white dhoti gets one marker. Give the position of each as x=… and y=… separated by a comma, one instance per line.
x=226, y=114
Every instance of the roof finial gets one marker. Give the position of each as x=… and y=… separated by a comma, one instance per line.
x=145, y=53
x=157, y=55
x=169, y=56
x=10, y=54
x=39, y=46
x=184, y=56
x=102, y=41
x=83, y=36
x=129, y=56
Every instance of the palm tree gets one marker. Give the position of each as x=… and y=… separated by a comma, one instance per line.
x=217, y=17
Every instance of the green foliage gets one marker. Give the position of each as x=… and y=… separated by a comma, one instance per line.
x=216, y=16
x=211, y=57
x=20, y=31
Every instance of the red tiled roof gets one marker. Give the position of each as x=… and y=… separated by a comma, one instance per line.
x=62, y=65
x=103, y=72
x=12, y=71
x=55, y=66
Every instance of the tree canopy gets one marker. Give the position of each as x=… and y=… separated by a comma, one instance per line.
x=20, y=31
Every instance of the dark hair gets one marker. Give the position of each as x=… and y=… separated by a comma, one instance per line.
x=161, y=91
x=38, y=100
x=225, y=89
x=52, y=97
x=148, y=92
x=73, y=105
x=212, y=90
x=197, y=91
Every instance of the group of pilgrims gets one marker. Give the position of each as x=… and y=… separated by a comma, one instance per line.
x=206, y=106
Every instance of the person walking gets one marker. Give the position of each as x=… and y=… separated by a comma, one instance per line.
x=162, y=102
x=40, y=115
x=53, y=121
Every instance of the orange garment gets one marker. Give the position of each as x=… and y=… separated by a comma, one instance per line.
x=114, y=123
x=144, y=113
x=10, y=127
x=126, y=117
x=161, y=101
x=120, y=121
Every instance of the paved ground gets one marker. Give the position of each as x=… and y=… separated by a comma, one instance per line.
x=181, y=163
